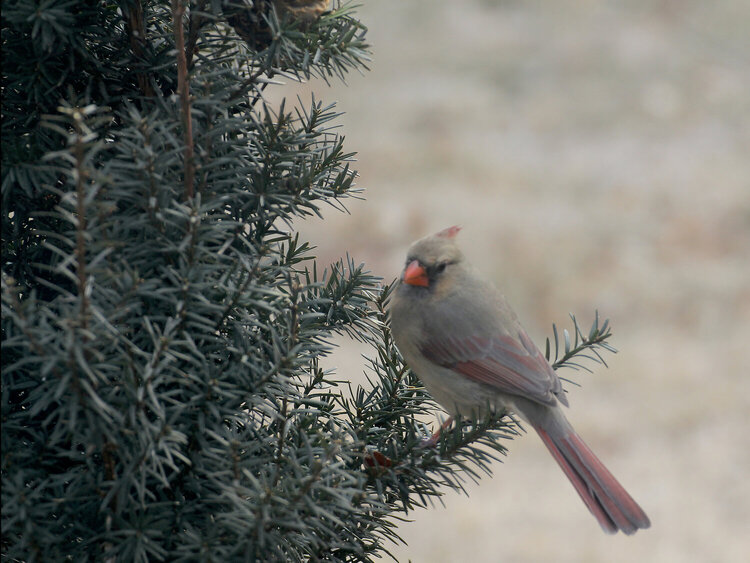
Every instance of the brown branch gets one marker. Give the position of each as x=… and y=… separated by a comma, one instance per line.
x=183, y=89
x=81, y=175
x=110, y=467
x=137, y=33
x=280, y=445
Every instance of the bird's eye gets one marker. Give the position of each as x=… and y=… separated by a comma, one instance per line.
x=440, y=268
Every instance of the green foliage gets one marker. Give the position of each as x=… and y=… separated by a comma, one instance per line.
x=584, y=347
x=162, y=398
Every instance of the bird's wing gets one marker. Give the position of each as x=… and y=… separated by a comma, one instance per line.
x=514, y=366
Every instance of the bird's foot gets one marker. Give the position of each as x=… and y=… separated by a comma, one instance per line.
x=432, y=441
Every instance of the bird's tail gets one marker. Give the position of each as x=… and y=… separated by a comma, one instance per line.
x=607, y=500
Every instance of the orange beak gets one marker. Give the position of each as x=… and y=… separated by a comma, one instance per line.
x=415, y=274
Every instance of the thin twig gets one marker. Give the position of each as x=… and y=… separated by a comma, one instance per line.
x=249, y=81
x=183, y=88
x=80, y=172
x=196, y=22
x=595, y=340
x=278, y=459
x=22, y=322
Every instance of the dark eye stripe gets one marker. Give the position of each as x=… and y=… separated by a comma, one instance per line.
x=440, y=268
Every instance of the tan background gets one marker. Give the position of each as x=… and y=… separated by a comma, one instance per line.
x=597, y=155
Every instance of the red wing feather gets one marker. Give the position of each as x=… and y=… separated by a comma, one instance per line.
x=512, y=366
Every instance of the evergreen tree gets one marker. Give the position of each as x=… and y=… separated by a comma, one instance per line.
x=162, y=325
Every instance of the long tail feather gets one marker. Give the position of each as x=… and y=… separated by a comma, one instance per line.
x=607, y=500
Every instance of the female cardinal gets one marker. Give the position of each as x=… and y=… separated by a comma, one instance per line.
x=463, y=340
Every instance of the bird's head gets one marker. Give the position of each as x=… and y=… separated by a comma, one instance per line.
x=432, y=262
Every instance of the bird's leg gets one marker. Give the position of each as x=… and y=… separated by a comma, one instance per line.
x=433, y=440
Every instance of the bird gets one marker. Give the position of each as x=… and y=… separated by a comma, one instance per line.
x=459, y=335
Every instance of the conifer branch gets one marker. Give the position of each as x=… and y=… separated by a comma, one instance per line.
x=585, y=346
x=15, y=309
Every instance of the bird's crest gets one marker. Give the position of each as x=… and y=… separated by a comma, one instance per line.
x=450, y=232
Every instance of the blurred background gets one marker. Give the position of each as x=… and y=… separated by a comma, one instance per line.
x=597, y=155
